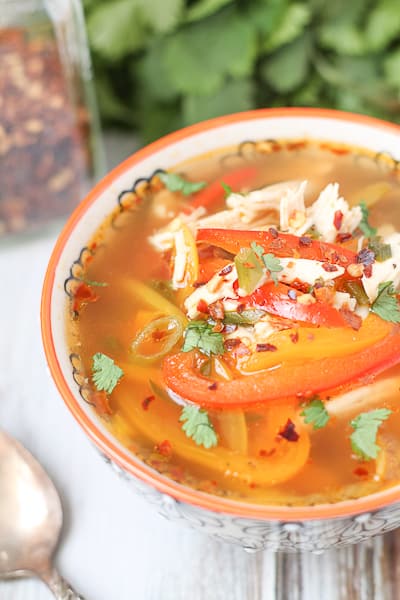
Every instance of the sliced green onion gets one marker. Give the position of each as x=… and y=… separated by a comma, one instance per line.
x=356, y=290
x=249, y=269
x=246, y=317
x=381, y=250
x=157, y=338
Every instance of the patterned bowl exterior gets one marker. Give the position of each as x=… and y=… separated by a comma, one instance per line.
x=254, y=535
x=316, y=529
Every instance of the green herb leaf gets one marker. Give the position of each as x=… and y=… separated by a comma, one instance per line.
x=198, y=426
x=385, y=304
x=105, y=373
x=315, y=413
x=363, y=438
x=199, y=334
x=176, y=183
x=246, y=317
x=232, y=95
x=257, y=249
x=381, y=250
x=288, y=67
x=227, y=189
x=273, y=265
x=365, y=227
x=249, y=269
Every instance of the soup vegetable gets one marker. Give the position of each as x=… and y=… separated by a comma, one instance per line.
x=236, y=323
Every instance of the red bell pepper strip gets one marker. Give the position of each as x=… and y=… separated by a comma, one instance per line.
x=275, y=300
x=279, y=244
x=287, y=382
x=214, y=193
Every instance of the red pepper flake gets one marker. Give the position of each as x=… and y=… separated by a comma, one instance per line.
x=305, y=241
x=351, y=318
x=232, y=343
x=329, y=268
x=368, y=271
x=218, y=327
x=292, y=294
x=289, y=432
x=274, y=232
x=343, y=237
x=216, y=310
x=338, y=219
x=146, y=402
x=164, y=448
x=361, y=472
x=294, y=337
x=266, y=348
x=266, y=453
x=198, y=284
x=240, y=308
x=158, y=335
x=366, y=257
x=213, y=386
x=226, y=270
x=83, y=295
x=202, y=306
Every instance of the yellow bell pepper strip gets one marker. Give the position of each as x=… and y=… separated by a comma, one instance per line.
x=289, y=380
x=281, y=461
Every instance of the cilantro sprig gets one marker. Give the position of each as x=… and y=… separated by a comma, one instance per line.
x=315, y=413
x=270, y=261
x=105, y=373
x=363, y=438
x=200, y=335
x=198, y=427
x=385, y=305
x=177, y=183
x=364, y=225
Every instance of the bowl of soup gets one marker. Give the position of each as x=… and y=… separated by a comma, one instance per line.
x=221, y=317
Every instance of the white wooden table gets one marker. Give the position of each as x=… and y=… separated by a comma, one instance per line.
x=114, y=546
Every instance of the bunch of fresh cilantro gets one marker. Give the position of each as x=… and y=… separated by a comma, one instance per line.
x=162, y=64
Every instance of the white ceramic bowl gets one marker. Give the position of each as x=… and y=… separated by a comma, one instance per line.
x=252, y=526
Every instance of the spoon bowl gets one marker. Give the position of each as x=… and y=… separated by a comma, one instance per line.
x=30, y=519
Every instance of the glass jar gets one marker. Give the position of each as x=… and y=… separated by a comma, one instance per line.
x=50, y=142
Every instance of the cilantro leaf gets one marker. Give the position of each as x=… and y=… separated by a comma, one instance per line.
x=176, y=183
x=365, y=227
x=315, y=413
x=105, y=373
x=385, y=304
x=259, y=250
x=198, y=426
x=227, y=189
x=273, y=265
x=249, y=269
x=200, y=335
x=363, y=438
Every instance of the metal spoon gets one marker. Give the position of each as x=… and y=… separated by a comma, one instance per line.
x=30, y=519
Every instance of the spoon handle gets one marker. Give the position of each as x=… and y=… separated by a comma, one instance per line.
x=60, y=588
